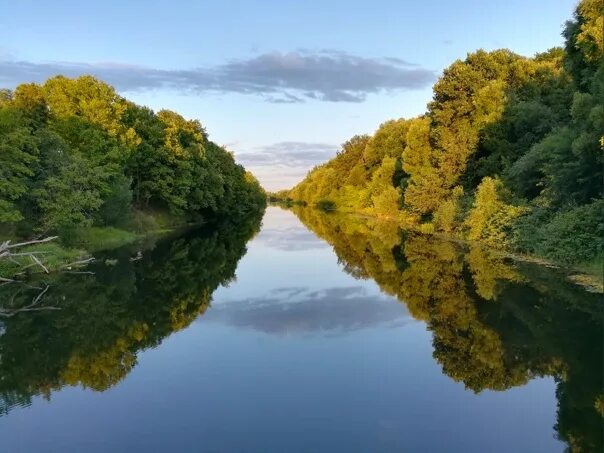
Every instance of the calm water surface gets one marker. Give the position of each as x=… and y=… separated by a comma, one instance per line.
x=317, y=333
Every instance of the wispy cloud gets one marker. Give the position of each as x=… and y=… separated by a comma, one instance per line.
x=290, y=239
x=296, y=311
x=291, y=77
x=289, y=154
x=281, y=165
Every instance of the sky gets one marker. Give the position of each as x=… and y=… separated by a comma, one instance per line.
x=281, y=83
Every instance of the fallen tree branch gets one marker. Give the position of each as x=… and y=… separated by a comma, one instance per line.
x=78, y=263
x=8, y=252
x=6, y=245
x=38, y=262
x=7, y=313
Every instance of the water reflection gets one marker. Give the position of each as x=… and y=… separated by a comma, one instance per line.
x=297, y=311
x=495, y=324
x=87, y=329
x=295, y=346
x=281, y=231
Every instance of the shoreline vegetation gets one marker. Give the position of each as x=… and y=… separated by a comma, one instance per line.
x=82, y=163
x=509, y=154
x=587, y=275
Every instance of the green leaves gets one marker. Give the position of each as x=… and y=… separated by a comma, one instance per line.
x=18, y=153
x=72, y=197
x=74, y=153
x=507, y=133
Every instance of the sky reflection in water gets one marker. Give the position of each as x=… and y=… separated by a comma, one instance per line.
x=294, y=354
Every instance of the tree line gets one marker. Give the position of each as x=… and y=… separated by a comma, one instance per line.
x=73, y=153
x=509, y=152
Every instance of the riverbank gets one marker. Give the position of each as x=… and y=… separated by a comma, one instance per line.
x=589, y=275
x=74, y=248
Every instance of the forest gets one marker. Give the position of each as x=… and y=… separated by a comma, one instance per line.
x=75, y=155
x=509, y=153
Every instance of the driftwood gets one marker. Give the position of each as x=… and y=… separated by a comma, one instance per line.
x=33, y=306
x=78, y=263
x=6, y=252
x=11, y=252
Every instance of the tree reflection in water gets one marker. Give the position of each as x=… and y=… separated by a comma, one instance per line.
x=496, y=324
x=102, y=320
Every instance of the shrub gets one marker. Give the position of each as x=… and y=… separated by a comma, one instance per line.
x=574, y=236
x=491, y=219
x=325, y=205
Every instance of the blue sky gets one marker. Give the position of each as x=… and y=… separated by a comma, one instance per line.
x=280, y=83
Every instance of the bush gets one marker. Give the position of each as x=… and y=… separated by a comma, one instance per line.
x=491, y=217
x=325, y=205
x=573, y=236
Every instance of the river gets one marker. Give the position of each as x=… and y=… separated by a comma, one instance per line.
x=314, y=333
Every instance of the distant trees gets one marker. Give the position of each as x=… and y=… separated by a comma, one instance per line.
x=507, y=145
x=75, y=153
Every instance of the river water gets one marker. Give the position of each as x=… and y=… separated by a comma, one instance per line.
x=317, y=333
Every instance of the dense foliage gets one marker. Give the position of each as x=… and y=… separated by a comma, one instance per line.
x=510, y=152
x=74, y=153
x=495, y=324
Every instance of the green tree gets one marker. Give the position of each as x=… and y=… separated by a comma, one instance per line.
x=18, y=153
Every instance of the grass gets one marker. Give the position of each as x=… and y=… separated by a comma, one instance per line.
x=591, y=275
x=52, y=255
x=77, y=244
x=594, y=267
x=155, y=221
x=98, y=238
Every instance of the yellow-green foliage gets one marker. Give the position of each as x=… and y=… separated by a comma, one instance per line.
x=73, y=153
x=502, y=129
x=490, y=217
x=182, y=136
x=591, y=31
x=425, y=190
x=384, y=197
x=387, y=141
x=88, y=98
x=447, y=214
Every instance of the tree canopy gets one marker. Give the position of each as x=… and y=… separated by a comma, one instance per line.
x=510, y=150
x=74, y=153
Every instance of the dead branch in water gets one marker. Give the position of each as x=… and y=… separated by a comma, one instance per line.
x=78, y=263
x=6, y=253
x=33, y=306
x=7, y=245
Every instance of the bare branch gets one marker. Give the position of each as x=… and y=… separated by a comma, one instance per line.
x=5, y=245
x=38, y=262
x=31, y=307
x=78, y=263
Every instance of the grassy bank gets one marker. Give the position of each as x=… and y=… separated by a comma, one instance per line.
x=78, y=245
x=52, y=257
